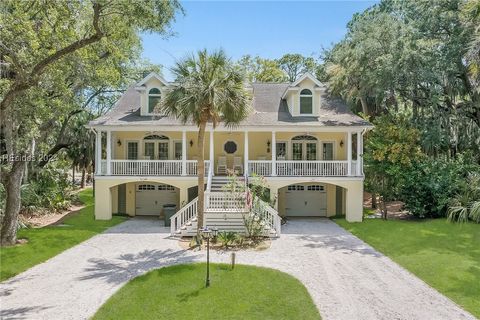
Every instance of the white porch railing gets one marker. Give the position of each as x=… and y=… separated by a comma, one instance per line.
x=225, y=202
x=151, y=167
x=146, y=167
x=268, y=214
x=312, y=168
x=295, y=168
x=260, y=167
x=192, y=167
x=184, y=215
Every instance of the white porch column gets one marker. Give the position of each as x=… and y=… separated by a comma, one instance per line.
x=98, y=152
x=245, y=169
x=212, y=161
x=274, y=154
x=184, y=153
x=359, y=153
x=109, y=152
x=349, y=153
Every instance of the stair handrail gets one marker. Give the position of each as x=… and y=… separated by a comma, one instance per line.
x=272, y=218
x=183, y=216
x=209, y=185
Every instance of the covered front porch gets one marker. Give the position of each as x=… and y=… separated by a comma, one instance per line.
x=248, y=152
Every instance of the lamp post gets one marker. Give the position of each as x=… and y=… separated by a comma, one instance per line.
x=207, y=234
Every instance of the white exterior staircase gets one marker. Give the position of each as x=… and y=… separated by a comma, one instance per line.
x=224, y=210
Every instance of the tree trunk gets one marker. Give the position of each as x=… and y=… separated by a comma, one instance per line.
x=383, y=206
x=374, y=200
x=12, y=183
x=82, y=183
x=363, y=101
x=201, y=175
x=73, y=175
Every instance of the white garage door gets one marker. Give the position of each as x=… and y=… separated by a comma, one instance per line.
x=150, y=198
x=306, y=200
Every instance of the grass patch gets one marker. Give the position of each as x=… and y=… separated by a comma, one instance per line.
x=44, y=243
x=179, y=292
x=444, y=255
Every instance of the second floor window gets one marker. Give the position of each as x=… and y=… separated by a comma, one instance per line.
x=153, y=99
x=306, y=102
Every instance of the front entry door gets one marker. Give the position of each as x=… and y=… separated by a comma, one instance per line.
x=303, y=150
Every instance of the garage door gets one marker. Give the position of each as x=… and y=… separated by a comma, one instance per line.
x=306, y=200
x=150, y=198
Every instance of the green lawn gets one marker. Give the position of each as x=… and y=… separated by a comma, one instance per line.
x=179, y=292
x=44, y=243
x=444, y=255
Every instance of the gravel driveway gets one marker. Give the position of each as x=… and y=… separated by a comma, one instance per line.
x=346, y=278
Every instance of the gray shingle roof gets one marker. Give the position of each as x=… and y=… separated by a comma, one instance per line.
x=269, y=109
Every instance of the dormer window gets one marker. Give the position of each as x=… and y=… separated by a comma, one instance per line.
x=154, y=96
x=306, y=101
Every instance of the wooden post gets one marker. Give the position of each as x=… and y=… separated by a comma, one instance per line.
x=274, y=154
x=212, y=161
x=109, y=152
x=349, y=153
x=245, y=169
x=98, y=153
x=184, y=153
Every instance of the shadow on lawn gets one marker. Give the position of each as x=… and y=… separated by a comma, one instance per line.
x=20, y=313
x=129, y=266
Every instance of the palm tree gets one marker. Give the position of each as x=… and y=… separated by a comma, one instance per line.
x=208, y=89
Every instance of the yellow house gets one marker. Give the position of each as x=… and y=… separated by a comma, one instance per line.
x=306, y=144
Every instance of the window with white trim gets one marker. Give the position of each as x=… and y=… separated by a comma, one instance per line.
x=154, y=96
x=132, y=150
x=143, y=187
x=295, y=187
x=306, y=101
x=315, y=187
x=165, y=187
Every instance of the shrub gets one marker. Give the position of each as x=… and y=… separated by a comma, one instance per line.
x=50, y=190
x=428, y=187
x=466, y=204
x=226, y=238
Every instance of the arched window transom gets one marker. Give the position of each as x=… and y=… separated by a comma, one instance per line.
x=306, y=101
x=304, y=137
x=154, y=96
x=156, y=137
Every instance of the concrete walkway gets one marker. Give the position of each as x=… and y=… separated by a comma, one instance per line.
x=346, y=278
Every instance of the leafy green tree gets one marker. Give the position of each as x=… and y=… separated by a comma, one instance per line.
x=208, y=89
x=294, y=65
x=48, y=48
x=261, y=70
x=390, y=149
x=414, y=57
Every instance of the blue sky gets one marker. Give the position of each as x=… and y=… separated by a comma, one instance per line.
x=268, y=29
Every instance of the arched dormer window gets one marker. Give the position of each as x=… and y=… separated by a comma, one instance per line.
x=154, y=96
x=306, y=101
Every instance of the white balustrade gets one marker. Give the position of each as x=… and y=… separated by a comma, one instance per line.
x=312, y=168
x=225, y=202
x=184, y=215
x=284, y=168
x=268, y=214
x=260, y=167
x=146, y=167
x=192, y=167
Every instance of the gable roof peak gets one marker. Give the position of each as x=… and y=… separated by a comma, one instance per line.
x=150, y=76
x=306, y=75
